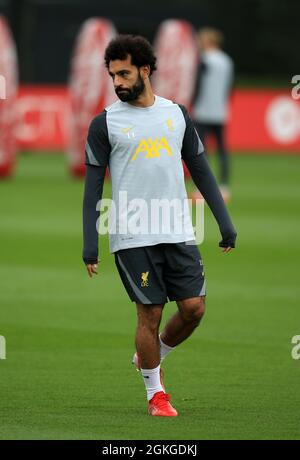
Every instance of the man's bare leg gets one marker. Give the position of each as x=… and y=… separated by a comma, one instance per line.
x=146, y=339
x=182, y=324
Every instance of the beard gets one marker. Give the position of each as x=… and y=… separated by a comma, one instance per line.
x=131, y=94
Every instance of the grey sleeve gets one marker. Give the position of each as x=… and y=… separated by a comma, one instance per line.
x=191, y=143
x=205, y=181
x=97, y=158
x=97, y=147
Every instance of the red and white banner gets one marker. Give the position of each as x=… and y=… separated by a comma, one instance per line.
x=8, y=93
x=43, y=113
x=264, y=120
x=90, y=86
x=177, y=61
x=261, y=120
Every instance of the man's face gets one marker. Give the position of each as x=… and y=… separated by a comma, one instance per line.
x=127, y=79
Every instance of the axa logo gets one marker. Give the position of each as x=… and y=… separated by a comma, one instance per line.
x=152, y=148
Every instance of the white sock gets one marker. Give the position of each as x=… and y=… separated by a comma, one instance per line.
x=164, y=350
x=152, y=381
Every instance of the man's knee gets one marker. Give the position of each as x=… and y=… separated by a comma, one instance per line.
x=192, y=310
x=149, y=316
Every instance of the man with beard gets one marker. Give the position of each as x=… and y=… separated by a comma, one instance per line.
x=143, y=138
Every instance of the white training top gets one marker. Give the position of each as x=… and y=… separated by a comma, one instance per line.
x=143, y=148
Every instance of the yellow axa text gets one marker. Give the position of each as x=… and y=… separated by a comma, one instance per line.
x=152, y=148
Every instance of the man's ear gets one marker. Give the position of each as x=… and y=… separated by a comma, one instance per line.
x=145, y=71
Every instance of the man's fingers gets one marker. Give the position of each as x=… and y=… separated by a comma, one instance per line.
x=91, y=268
x=226, y=249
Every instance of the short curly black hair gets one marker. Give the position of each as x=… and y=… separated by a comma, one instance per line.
x=136, y=46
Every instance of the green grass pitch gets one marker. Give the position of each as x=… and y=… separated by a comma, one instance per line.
x=70, y=339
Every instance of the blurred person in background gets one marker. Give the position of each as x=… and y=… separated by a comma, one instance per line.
x=210, y=102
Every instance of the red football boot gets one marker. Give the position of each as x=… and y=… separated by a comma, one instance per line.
x=160, y=405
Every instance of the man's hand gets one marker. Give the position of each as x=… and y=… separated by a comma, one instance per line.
x=228, y=241
x=226, y=249
x=91, y=269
